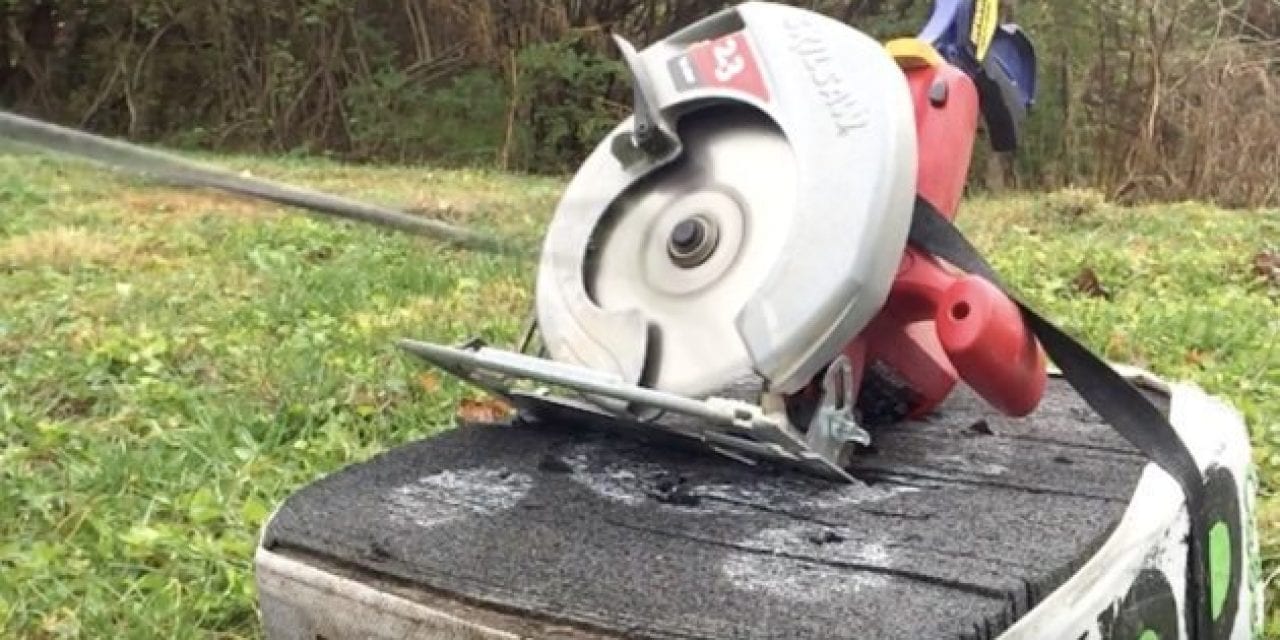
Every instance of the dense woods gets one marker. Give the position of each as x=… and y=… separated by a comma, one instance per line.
x=1140, y=99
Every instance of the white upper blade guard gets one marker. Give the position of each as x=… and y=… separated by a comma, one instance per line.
x=764, y=237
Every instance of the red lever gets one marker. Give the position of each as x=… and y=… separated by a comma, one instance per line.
x=940, y=325
x=990, y=346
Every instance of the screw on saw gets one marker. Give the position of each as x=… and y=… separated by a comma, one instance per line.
x=651, y=134
x=693, y=241
x=842, y=428
x=834, y=430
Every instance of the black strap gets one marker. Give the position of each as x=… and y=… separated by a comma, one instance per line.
x=1114, y=399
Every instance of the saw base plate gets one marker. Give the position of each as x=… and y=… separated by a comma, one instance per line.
x=743, y=430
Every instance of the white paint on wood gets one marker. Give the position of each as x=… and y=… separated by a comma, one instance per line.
x=756, y=568
x=439, y=498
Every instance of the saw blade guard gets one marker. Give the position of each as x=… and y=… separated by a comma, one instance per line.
x=748, y=220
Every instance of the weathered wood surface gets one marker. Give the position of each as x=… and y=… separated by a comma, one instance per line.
x=966, y=520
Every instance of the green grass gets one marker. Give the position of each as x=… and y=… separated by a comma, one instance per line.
x=173, y=364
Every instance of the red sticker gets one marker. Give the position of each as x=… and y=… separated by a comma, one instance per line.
x=726, y=62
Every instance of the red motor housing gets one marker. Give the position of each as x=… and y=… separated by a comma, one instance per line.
x=941, y=325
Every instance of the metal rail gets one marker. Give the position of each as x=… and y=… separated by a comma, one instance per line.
x=180, y=171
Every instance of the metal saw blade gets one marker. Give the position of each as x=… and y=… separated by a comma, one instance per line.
x=728, y=230
x=691, y=245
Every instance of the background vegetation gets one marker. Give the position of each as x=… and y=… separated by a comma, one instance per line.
x=176, y=363
x=1141, y=99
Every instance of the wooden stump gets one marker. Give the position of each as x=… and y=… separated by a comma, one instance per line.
x=964, y=523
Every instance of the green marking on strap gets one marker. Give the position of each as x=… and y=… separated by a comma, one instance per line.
x=1219, y=566
x=1149, y=635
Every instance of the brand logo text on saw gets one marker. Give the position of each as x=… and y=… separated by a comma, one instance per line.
x=808, y=43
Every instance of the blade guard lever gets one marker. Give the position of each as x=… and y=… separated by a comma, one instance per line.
x=1001, y=60
x=651, y=133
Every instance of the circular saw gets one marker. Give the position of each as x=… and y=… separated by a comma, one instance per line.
x=730, y=264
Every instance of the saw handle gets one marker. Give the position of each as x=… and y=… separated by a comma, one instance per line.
x=940, y=325
x=992, y=349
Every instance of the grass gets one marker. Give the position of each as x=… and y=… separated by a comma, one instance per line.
x=173, y=364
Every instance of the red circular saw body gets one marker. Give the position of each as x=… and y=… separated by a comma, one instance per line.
x=939, y=325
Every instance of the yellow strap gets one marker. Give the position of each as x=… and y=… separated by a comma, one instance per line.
x=986, y=16
x=911, y=53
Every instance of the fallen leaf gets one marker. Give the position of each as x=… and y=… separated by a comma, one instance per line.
x=429, y=382
x=1196, y=358
x=438, y=209
x=319, y=254
x=1266, y=265
x=1120, y=347
x=484, y=410
x=1087, y=282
